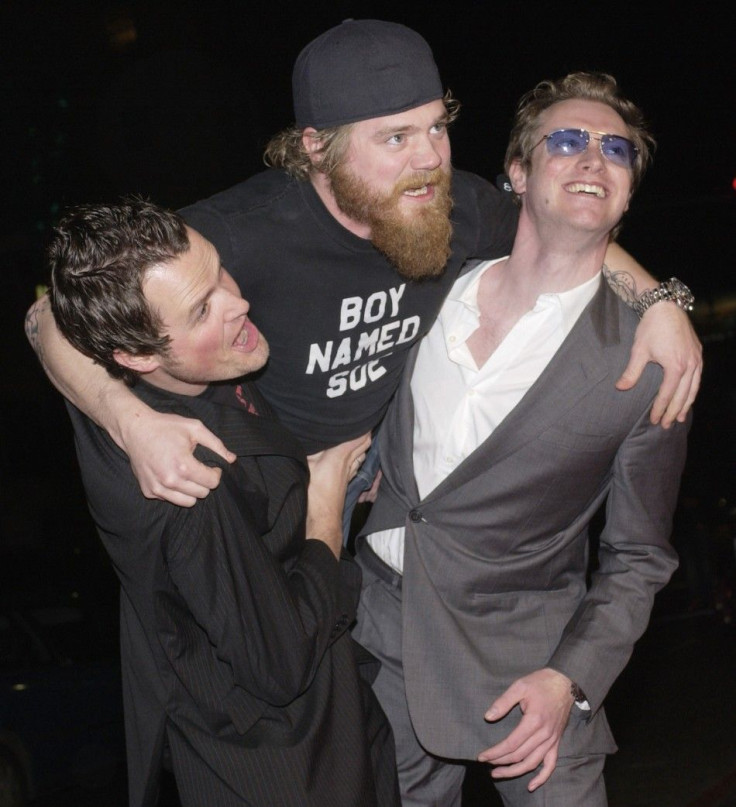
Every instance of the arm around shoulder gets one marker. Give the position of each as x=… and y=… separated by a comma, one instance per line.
x=665, y=336
x=160, y=446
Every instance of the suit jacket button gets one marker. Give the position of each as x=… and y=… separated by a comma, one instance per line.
x=415, y=516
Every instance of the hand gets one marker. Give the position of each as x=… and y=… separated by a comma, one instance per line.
x=666, y=336
x=330, y=471
x=371, y=494
x=160, y=447
x=545, y=700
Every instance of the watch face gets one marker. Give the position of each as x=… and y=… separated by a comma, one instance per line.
x=682, y=291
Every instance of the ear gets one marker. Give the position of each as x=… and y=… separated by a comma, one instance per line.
x=311, y=145
x=517, y=175
x=138, y=364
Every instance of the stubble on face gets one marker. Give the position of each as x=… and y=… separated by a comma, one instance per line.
x=417, y=245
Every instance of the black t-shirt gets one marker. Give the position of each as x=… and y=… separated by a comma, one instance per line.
x=338, y=317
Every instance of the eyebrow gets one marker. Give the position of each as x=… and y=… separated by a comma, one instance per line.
x=391, y=130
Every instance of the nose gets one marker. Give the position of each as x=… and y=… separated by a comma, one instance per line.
x=241, y=306
x=234, y=301
x=235, y=305
x=592, y=159
x=427, y=156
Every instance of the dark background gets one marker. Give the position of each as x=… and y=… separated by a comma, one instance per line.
x=176, y=100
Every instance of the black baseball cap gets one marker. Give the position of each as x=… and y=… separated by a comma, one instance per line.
x=362, y=69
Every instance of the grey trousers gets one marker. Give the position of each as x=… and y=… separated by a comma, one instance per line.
x=427, y=780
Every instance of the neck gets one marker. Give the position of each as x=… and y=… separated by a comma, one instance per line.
x=554, y=262
x=164, y=381
x=321, y=183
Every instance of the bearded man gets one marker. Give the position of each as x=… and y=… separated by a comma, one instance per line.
x=347, y=248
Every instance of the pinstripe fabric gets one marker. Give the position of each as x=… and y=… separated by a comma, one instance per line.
x=234, y=629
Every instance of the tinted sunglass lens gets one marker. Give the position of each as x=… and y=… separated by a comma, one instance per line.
x=567, y=142
x=618, y=150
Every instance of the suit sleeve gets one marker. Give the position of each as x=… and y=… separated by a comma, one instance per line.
x=635, y=559
x=269, y=625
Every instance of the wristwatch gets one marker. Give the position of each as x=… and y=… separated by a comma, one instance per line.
x=581, y=702
x=673, y=290
x=577, y=693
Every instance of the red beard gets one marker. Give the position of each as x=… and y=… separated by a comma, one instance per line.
x=417, y=245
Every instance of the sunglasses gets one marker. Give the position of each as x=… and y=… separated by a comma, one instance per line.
x=571, y=142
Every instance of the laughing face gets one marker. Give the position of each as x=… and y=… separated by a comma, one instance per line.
x=395, y=180
x=585, y=192
x=206, y=319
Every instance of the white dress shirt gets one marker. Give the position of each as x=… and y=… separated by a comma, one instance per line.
x=457, y=404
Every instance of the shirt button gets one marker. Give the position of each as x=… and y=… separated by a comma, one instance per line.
x=453, y=338
x=415, y=516
x=471, y=392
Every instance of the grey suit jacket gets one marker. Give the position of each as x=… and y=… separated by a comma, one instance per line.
x=496, y=556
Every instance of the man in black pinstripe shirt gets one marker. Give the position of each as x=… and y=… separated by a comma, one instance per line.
x=234, y=613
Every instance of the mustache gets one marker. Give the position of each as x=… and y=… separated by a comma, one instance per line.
x=420, y=178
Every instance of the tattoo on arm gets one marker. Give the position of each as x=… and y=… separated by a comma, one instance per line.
x=623, y=284
x=33, y=326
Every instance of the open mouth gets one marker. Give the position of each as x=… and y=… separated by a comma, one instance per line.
x=585, y=188
x=423, y=191
x=247, y=337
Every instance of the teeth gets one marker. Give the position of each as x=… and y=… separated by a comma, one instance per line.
x=416, y=191
x=581, y=187
x=242, y=338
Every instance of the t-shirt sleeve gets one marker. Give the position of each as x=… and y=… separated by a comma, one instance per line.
x=498, y=217
x=209, y=223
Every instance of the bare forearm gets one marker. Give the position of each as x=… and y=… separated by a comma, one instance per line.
x=626, y=276
x=87, y=385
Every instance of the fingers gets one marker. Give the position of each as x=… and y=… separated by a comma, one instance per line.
x=209, y=440
x=372, y=494
x=359, y=447
x=692, y=394
x=676, y=395
x=522, y=759
x=667, y=396
x=633, y=371
x=535, y=750
x=192, y=481
x=355, y=466
x=503, y=704
x=685, y=394
x=349, y=456
x=550, y=763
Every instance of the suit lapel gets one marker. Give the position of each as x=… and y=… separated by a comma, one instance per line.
x=400, y=444
x=578, y=366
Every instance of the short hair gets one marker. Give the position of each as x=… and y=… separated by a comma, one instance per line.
x=286, y=149
x=98, y=257
x=600, y=87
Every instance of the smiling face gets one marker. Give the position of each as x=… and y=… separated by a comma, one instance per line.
x=205, y=317
x=584, y=192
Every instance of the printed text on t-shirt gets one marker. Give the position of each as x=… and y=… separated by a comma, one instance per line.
x=375, y=329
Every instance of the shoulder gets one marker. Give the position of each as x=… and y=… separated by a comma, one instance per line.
x=261, y=189
x=470, y=187
x=247, y=217
x=484, y=218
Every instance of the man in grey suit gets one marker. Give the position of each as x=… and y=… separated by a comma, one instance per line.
x=498, y=639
